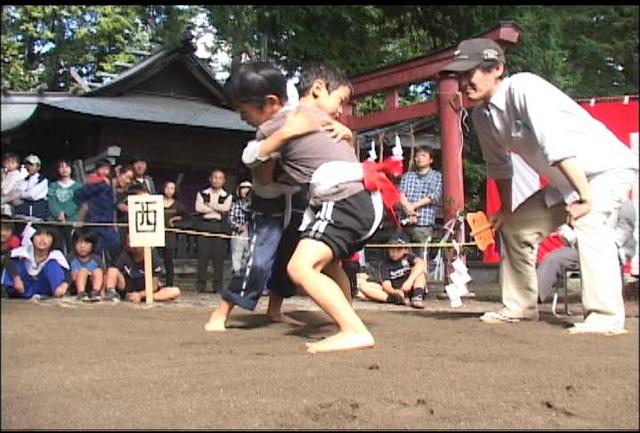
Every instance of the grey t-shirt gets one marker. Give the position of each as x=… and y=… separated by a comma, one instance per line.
x=301, y=156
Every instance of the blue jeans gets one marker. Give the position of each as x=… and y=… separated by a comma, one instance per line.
x=245, y=287
x=49, y=278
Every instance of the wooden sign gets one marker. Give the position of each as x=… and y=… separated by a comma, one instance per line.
x=146, y=229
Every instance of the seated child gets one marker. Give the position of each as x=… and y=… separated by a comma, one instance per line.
x=12, y=176
x=85, y=265
x=125, y=280
x=402, y=277
x=9, y=240
x=35, y=269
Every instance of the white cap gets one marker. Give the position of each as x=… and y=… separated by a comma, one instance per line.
x=32, y=159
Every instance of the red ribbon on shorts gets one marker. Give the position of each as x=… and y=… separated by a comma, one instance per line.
x=375, y=179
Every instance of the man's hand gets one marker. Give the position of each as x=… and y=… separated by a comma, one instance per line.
x=499, y=218
x=577, y=210
x=410, y=208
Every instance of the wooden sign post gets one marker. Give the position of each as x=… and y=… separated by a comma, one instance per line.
x=146, y=229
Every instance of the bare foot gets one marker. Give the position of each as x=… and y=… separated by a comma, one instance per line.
x=345, y=340
x=216, y=323
x=281, y=318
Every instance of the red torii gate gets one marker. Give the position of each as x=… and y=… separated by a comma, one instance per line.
x=448, y=105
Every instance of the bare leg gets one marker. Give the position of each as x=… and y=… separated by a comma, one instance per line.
x=274, y=311
x=97, y=280
x=168, y=293
x=374, y=291
x=337, y=273
x=219, y=317
x=80, y=278
x=304, y=268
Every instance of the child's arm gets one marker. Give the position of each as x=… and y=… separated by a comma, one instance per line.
x=389, y=290
x=338, y=131
x=36, y=192
x=54, y=206
x=298, y=122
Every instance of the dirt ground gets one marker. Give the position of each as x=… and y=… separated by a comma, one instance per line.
x=69, y=365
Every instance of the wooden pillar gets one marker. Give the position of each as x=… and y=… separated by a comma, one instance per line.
x=449, y=105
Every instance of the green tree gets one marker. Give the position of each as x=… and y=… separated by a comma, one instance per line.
x=41, y=43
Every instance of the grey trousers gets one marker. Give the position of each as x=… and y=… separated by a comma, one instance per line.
x=552, y=269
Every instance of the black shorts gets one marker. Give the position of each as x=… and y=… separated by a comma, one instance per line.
x=345, y=225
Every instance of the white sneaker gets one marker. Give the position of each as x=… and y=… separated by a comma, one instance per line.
x=597, y=327
x=502, y=316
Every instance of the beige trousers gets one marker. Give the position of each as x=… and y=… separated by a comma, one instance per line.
x=532, y=221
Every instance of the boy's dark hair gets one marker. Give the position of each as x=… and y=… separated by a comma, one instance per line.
x=44, y=229
x=332, y=76
x=10, y=155
x=137, y=158
x=8, y=226
x=426, y=149
x=84, y=235
x=65, y=162
x=252, y=82
x=137, y=188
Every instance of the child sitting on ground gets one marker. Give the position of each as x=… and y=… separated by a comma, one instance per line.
x=35, y=269
x=9, y=240
x=125, y=280
x=85, y=266
x=402, y=277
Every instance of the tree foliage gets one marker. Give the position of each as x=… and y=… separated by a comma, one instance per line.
x=40, y=43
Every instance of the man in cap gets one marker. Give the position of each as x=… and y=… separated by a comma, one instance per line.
x=590, y=173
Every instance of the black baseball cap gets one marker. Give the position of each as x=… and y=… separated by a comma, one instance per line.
x=398, y=238
x=473, y=52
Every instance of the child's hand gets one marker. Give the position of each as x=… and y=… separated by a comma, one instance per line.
x=337, y=131
x=300, y=122
x=406, y=287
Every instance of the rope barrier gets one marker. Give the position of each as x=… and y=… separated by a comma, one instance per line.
x=221, y=235
x=85, y=224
